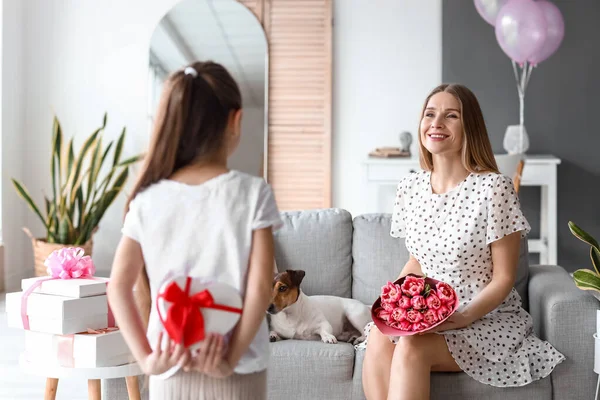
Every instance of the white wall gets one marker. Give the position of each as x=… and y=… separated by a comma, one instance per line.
x=14, y=154
x=387, y=56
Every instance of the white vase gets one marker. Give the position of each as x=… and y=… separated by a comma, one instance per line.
x=515, y=141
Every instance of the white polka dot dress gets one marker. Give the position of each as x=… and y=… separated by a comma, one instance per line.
x=449, y=234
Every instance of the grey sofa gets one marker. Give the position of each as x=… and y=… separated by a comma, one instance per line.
x=350, y=257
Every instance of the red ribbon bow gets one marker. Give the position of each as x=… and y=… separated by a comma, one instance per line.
x=185, y=323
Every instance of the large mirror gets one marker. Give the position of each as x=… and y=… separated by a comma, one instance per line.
x=226, y=32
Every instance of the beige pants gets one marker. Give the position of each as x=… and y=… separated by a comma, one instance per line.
x=195, y=386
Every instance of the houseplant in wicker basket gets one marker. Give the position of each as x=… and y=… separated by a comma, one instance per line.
x=80, y=195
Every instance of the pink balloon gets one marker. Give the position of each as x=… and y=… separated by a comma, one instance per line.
x=520, y=29
x=488, y=9
x=555, y=32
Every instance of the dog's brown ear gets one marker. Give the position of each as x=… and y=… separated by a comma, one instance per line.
x=296, y=276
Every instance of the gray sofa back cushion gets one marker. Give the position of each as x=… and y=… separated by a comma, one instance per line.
x=379, y=258
x=320, y=243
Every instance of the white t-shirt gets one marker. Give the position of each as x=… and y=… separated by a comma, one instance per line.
x=205, y=231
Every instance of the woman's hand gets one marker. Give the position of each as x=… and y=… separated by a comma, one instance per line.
x=455, y=321
x=210, y=358
x=160, y=361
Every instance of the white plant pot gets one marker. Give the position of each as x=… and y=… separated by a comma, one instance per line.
x=514, y=141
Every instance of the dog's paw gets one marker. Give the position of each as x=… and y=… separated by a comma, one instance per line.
x=274, y=337
x=328, y=338
x=357, y=340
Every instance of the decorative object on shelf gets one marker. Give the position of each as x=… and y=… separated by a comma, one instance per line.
x=79, y=196
x=587, y=279
x=389, y=152
x=405, y=141
x=528, y=32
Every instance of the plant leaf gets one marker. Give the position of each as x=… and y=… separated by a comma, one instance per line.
x=74, y=180
x=70, y=159
x=80, y=207
x=595, y=256
x=586, y=279
x=98, y=209
x=56, y=147
x=130, y=160
x=583, y=235
x=25, y=196
x=119, y=148
x=94, y=162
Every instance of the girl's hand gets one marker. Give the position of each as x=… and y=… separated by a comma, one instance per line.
x=455, y=321
x=210, y=358
x=160, y=361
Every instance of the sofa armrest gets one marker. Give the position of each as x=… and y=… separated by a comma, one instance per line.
x=565, y=316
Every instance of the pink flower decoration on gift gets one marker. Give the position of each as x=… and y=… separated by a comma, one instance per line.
x=399, y=315
x=430, y=317
x=413, y=316
x=405, y=302
x=413, y=286
x=390, y=293
x=69, y=263
x=445, y=292
x=443, y=312
x=433, y=301
x=418, y=302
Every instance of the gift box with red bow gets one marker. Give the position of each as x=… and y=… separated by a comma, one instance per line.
x=191, y=308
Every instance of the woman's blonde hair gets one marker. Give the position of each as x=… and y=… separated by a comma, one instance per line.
x=476, y=154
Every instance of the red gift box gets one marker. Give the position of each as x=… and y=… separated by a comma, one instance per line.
x=405, y=309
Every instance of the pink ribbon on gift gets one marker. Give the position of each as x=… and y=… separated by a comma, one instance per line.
x=65, y=263
x=65, y=345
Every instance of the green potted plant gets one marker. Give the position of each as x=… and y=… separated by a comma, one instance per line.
x=587, y=279
x=80, y=196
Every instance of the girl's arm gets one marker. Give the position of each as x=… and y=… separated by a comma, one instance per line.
x=126, y=268
x=257, y=297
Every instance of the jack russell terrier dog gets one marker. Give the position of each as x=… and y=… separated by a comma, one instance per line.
x=295, y=315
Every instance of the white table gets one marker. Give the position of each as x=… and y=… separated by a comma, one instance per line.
x=539, y=170
x=93, y=375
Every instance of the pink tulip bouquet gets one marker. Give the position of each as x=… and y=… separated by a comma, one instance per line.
x=413, y=305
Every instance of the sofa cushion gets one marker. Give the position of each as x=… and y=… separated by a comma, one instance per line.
x=320, y=243
x=379, y=258
x=305, y=369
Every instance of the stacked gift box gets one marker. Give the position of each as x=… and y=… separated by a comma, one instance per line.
x=67, y=323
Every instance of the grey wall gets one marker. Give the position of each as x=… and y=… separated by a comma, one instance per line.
x=562, y=109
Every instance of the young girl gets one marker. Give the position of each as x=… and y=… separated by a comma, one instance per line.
x=189, y=215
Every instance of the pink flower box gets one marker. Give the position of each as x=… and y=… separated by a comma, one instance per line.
x=412, y=305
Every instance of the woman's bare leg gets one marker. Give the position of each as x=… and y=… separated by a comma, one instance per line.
x=377, y=365
x=413, y=360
